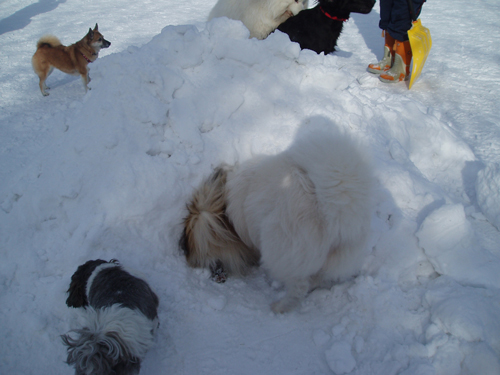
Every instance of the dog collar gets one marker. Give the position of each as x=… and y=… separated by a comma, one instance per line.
x=86, y=58
x=333, y=17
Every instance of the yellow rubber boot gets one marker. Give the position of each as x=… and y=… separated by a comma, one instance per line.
x=386, y=62
x=400, y=70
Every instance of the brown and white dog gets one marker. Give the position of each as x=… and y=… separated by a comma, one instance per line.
x=50, y=54
x=304, y=213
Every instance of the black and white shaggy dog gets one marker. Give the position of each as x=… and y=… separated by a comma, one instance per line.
x=121, y=319
x=319, y=28
x=304, y=213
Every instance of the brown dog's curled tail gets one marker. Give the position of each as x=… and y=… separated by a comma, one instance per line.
x=209, y=239
x=48, y=40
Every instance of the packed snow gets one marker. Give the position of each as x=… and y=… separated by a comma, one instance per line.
x=106, y=174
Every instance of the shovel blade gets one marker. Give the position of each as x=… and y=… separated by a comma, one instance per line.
x=421, y=43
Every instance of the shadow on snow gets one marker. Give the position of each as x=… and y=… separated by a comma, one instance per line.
x=22, y=18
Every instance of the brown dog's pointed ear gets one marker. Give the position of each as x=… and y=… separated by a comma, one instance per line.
x=90, y=34
x=96, y=27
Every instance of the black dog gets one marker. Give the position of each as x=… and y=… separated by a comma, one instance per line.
x=121, y=319
x=319, y=28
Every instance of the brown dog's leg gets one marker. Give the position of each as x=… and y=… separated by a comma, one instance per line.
x=42, y=87
x=43, y=76
x=42, y=70
x=85, y=79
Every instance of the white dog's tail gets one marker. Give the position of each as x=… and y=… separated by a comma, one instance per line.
x=209, y=239
x=49, y=40
x=113, y=336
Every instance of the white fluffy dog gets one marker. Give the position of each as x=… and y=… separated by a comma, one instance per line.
x=261, y=17
x=305, y=212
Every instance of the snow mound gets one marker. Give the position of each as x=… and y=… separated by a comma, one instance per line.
x=469, y=314
x=109, y=174
x=450, y=243
x=340, y=359
x=488, y=193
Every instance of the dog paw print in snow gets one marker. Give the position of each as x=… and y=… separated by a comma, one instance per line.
x=320, y=337
x=217, y=303
x=340, y=359
x=8, y=203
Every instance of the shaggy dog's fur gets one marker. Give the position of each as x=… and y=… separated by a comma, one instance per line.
x=261, y=17
x=304, y=212
x=121, y=319
x=319, y=28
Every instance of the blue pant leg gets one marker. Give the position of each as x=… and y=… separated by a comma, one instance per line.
x=400, y=19
x=385, y=13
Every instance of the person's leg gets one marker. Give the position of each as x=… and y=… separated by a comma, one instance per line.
x=398, y=26
x=399, y=21
x=386, y=62
x=400, y=69
x=385, y=13
x=385, y=18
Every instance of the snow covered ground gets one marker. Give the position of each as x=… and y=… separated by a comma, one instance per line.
x=106, y=175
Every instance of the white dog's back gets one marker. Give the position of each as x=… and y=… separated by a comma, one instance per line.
x=261, y=17
x=306, y=212
x=342, y=178
x=306, y=209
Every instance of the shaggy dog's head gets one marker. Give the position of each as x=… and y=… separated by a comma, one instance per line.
x=209, y=239
x=215, y=246
x=100, y=354
x=113, y=341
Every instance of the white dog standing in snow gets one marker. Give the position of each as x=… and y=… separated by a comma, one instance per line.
x=304, y=214
x=261, y=17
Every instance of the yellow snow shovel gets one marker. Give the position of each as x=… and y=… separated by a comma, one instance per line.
x=420, y=42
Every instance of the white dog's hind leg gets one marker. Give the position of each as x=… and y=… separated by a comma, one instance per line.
x=344, y=263
x=319, y=281
x=295, y=292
